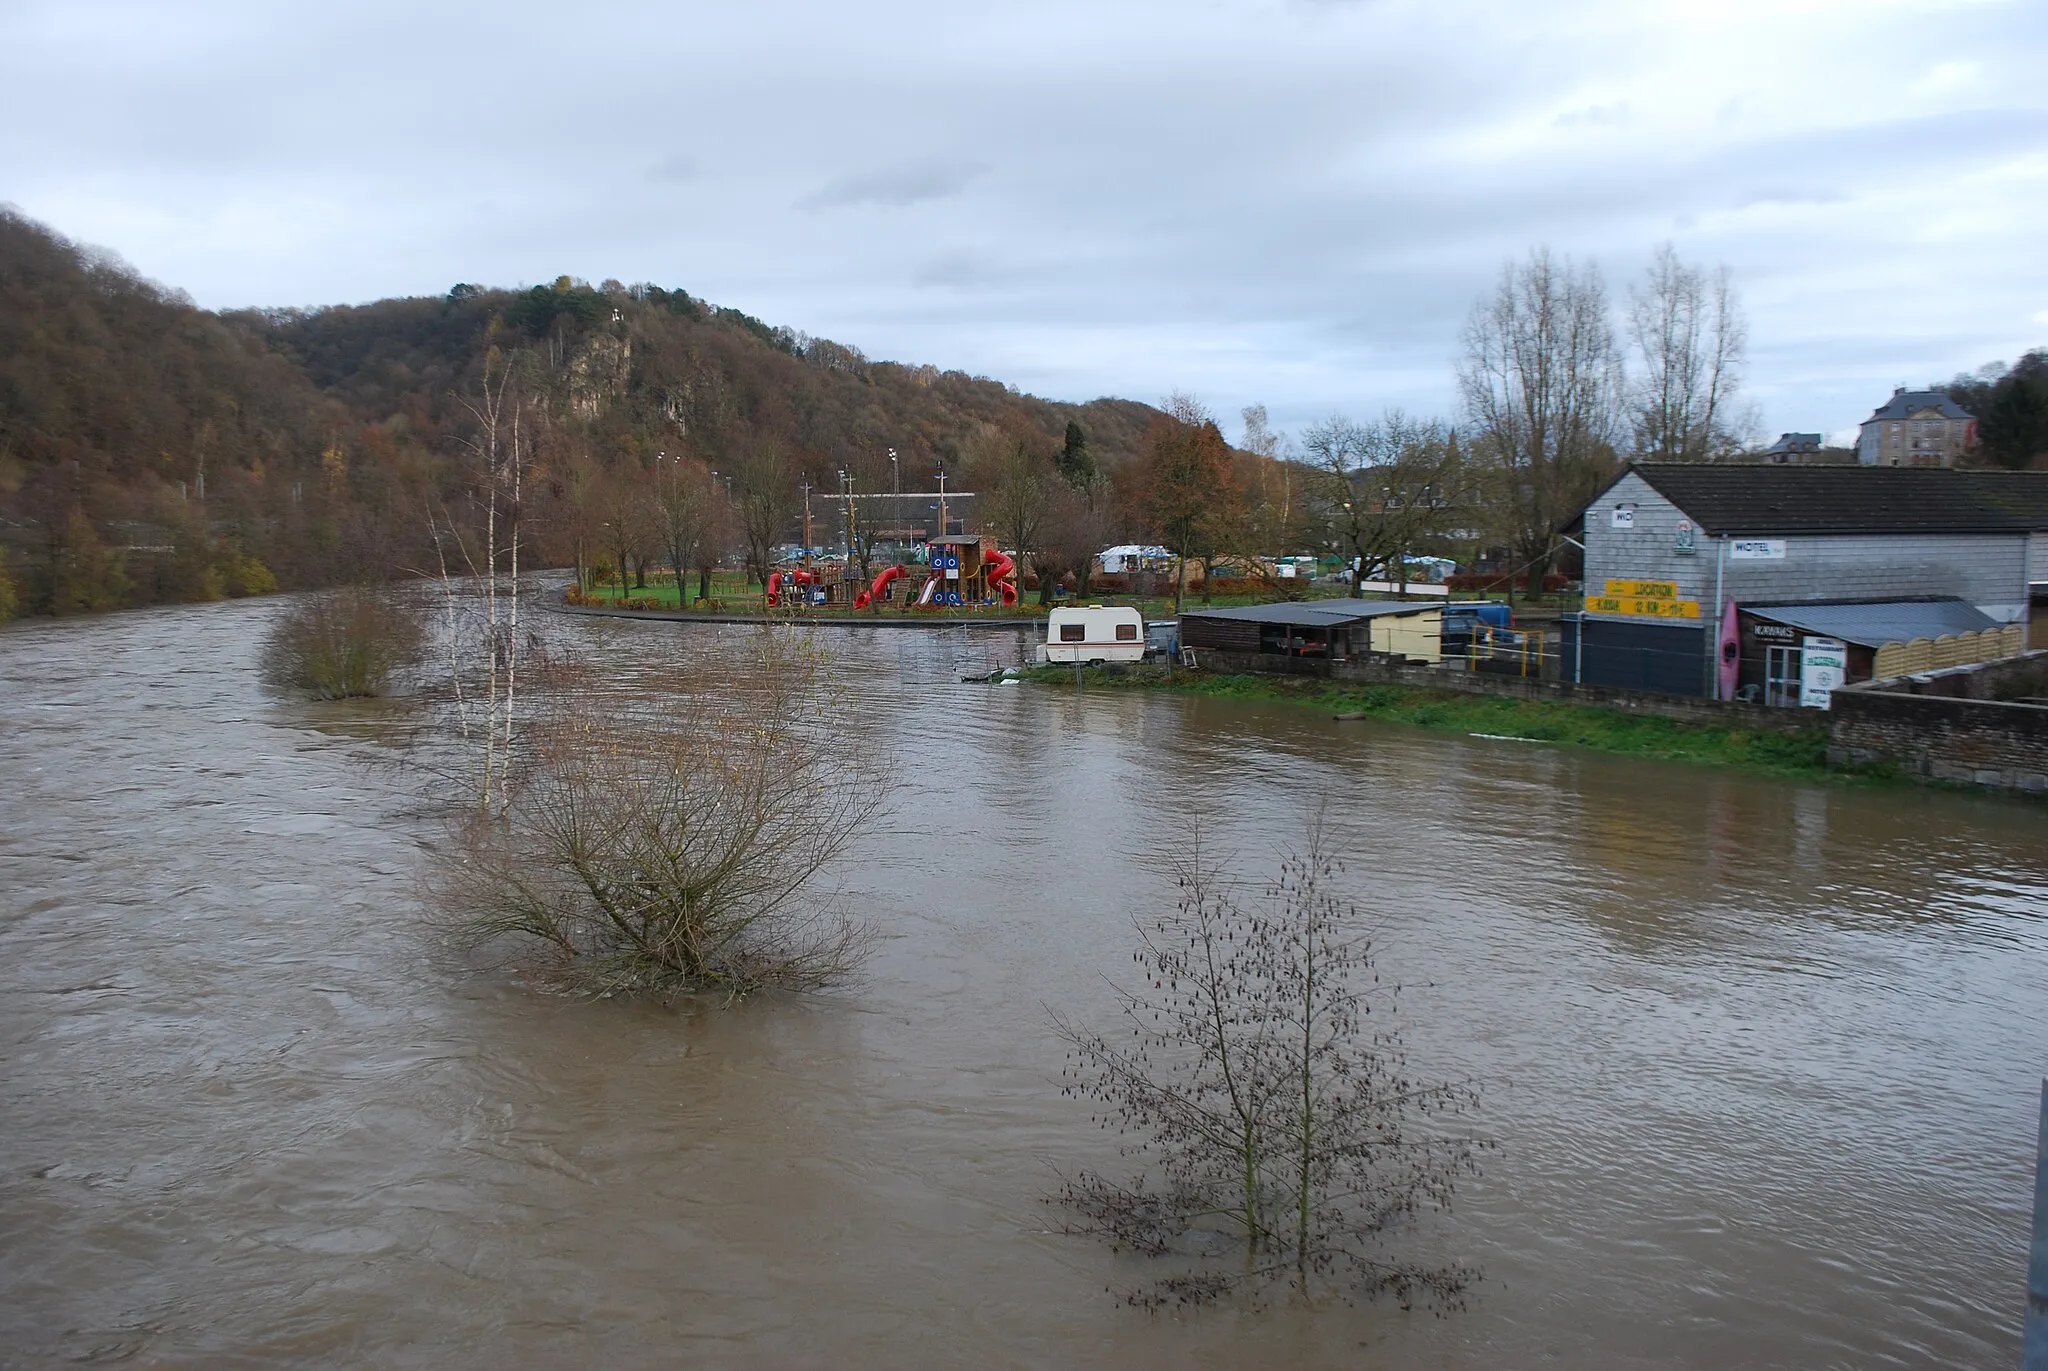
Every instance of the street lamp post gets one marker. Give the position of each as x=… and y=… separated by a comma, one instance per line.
x=846, y=479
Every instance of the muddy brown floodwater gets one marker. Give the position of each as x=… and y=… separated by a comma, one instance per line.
x=1762, y=1056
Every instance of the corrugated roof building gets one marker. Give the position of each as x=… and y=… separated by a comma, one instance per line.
x=1334, y=629
x=1677, y=556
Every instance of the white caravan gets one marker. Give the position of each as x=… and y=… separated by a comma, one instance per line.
x=1094, y=634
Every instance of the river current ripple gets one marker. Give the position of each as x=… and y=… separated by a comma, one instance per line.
x=1762, y=1057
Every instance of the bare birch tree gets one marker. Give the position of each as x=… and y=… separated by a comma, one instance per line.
x=1541, y=379
x=477, y=549
x=1686, y=327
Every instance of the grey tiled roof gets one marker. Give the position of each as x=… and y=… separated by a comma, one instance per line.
x=1796, y=442
x=1909, y=402
x=1758, y=499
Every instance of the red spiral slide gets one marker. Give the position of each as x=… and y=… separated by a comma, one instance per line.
x=1002, y=576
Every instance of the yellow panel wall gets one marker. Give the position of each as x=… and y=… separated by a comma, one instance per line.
x=1420, y=636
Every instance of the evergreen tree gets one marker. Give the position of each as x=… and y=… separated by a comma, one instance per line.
x=1075, y=462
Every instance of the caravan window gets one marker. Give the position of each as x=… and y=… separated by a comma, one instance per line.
x=1127, y=633
x=1073, y=633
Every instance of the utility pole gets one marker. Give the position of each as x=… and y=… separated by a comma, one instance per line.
x=807, y=524
x=942, y=502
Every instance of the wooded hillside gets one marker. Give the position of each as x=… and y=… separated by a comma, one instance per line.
x=153, y=451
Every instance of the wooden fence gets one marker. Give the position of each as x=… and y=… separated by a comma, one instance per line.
x=1951, y=649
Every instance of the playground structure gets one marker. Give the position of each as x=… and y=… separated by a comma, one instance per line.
x=968, y=570
x=778, y=579
x=963, y=571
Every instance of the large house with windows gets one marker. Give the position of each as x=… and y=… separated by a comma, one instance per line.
x=1916, y=428
x=1715, y=579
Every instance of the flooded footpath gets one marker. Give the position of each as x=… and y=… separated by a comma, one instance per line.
x=1763, y=1058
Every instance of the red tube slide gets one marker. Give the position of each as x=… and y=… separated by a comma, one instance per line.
x=1001, y=577
x=776, y=578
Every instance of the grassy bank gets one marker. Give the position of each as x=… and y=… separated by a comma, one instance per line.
x=1801, y=754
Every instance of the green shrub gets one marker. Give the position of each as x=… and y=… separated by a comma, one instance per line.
x=247, y=576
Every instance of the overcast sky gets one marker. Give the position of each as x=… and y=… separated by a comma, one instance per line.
x=1293, y=202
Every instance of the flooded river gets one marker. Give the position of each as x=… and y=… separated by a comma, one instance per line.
x=1763, y=1058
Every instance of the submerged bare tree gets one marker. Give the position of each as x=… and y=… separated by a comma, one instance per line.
x=1261, y=1088
x=343, y=643
x=639, y=853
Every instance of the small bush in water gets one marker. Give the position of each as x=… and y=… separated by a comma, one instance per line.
x=336, y=644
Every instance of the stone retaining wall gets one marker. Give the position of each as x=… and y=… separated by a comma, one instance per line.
x=1942, y=728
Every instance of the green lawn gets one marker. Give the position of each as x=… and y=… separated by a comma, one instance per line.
x=1801, y=753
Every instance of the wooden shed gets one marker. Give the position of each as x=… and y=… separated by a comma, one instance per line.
x=1337, y=629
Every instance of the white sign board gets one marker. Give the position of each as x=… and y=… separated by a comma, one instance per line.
x=1823, y=665
x=1757, y=550
x=1624, y=516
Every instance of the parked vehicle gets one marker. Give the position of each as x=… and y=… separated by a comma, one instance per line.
x=1463, y=619
x=1093, y=634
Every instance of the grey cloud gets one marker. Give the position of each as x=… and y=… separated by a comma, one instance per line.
x=896, y=187
x=1791, y=195
x=679, y=167
x=1595, y=114
x=956, y=270
x=1295, y=204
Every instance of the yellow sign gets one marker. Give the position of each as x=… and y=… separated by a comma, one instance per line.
x=1642, y=608
x=1643, y=590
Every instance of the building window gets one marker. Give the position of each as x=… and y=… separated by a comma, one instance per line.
x=1127, y=633
x=1073, y=633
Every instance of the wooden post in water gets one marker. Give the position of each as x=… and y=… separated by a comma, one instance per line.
x=2034, y=1340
